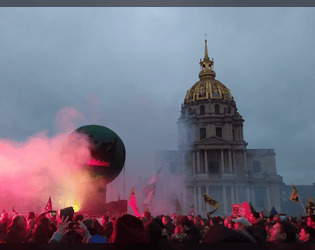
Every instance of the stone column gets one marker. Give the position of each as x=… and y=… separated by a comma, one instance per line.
x=224, y=201
x=198, y=161
x=199, y=199
x=237, y=195
x=234, y=162
x=222, y=160
x=195, y=199
x=206, y=161
x=207, y=206
x=248, y=194
x=230, y=161
x=185, y=199
x=245, y=161
x=194, y=162
x=268, y=197
x=253, y=196
x=232, y=195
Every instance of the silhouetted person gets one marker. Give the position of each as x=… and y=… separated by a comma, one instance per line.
x=17, y=229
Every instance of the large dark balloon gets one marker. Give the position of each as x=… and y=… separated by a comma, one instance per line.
x=106, y=149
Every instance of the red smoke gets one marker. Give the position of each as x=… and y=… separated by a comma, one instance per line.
x=32, y=171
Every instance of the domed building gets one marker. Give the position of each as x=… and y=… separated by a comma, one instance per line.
x=213, y=155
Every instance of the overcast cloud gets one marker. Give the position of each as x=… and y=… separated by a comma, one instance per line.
x=129, y=69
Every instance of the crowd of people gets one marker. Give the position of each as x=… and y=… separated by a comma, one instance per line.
x=159, y=229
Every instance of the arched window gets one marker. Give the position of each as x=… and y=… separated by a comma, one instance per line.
x=202, y=110
x=203, y=133
x=229, y=109
x=217, y=109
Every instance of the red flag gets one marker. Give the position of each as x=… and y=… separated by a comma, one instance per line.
x=132, y=202
x=48, y=205
x=246, y=210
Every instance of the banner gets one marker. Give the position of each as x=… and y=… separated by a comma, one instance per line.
x=238, y=210
x=311, y=206
x=294, y=196
x=132, y=202
x=149, y=192
x=211, y=202
x=273, y=211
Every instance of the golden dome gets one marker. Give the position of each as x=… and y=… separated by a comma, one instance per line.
x=208, y=87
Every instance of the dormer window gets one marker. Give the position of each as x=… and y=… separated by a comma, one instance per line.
x=202, y=110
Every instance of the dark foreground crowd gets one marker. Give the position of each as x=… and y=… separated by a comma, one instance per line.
x=160, y=229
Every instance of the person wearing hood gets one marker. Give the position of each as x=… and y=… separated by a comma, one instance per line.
x=128, y=229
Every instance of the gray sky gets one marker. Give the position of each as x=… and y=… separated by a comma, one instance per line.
x=129, y=69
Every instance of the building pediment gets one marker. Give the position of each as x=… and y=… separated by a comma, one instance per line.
x=213, y=140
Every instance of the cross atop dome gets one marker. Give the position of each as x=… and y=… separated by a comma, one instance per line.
x=206, y=66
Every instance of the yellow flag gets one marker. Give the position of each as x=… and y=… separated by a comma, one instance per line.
x=294, y=196
x=211, y=202
x=311, y=206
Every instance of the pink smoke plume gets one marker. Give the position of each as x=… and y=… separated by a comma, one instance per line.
x=33, y=170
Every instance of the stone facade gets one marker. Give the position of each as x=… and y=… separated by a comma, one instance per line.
x=213, y=154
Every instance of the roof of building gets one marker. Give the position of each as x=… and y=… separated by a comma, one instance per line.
x=208, y=87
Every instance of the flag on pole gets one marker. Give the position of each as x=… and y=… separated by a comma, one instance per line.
x=147, y=205
x=311, y=206
x=294, y=196
x=48, y=205
x=192, y=212
x=132, y=202
x=246, y=210
x=238, y=210
x=149, y=191
x=211, y=202
x=212, y=212
x=178, y=208
x=152, y=184
x=273, y=211
x=252, y=209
